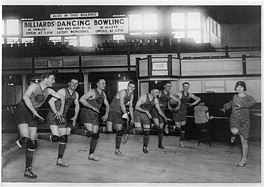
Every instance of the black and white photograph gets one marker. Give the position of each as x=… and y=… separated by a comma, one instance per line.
x=132, y=93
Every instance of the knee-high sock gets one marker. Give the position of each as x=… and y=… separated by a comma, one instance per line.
x=118, y=141
x=145, y=138
x=119, y=135
x=31, y=145
x=161, y=131
x=93, y=142
x=182, y=135
x=62, y=147
x=92, y=145
x=29, y=157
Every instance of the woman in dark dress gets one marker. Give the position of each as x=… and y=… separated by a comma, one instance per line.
x=240, y=120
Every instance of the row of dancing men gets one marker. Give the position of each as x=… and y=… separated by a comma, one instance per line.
x=149, y=106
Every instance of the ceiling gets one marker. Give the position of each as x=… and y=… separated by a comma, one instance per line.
x=224, y=14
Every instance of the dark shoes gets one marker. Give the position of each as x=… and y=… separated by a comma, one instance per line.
x=28, y=173
x=145, y=150
x=161, y=147
x=18, y=144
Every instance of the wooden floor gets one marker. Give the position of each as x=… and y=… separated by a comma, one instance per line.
x=191, y=164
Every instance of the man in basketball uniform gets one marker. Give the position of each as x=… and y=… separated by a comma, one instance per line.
x=117, y=110
x=60, y=128
x=163, y=97
x=180, y=116
x=92, y=102
x=26, y=116
x=142, y=114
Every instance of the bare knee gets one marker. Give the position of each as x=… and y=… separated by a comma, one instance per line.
x=234, y=131
x=109, y=126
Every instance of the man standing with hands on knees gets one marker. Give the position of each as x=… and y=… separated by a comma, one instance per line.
x=142, y=115
x=163, y=97
x=59, y=128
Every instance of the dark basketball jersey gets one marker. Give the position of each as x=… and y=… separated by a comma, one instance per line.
x=184, y=100
x=164, y=98
x=38, y=96
x=69, y=99
x=98, y=100
x=148, y=105
x=115, y=104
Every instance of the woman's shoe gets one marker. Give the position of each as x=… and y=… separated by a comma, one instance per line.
x=232, y=140
x=242, y=164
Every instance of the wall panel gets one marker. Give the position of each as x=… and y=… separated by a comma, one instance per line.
x=204, y=67
x=104, y=60
x=14, y=63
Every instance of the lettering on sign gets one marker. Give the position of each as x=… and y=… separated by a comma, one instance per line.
x=75, y=27
x=75, y=15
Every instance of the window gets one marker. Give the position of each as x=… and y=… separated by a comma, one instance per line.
x=177, y=20
x=27, y=40
x=118, y=37
x=147, y=23
x=195, y=35
x=213, y=26
x=71, y=40
x=218, y=31
x=86, y=41
x=12, y=40
x=55, y=39
x=193, y=20
x=187, y=25
x=150, y=23
x=210, y=24
x=12, y=27
x=207, y=25
x=179, y=34
x=135, y=22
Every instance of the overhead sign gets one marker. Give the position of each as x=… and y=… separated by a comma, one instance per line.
x=74, y=15
x=67, y=27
